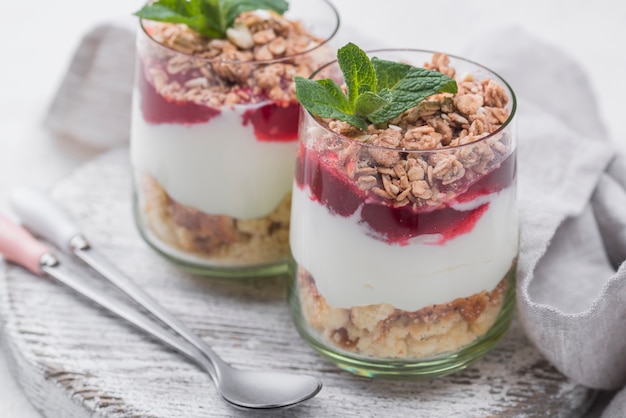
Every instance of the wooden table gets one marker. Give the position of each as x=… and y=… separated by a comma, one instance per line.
x=75, y=360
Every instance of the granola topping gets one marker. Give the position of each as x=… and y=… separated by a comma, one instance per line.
x=454, y=127
x=256, y=62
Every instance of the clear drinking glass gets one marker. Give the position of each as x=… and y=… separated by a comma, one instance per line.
x=213, y=139
x=403, y=257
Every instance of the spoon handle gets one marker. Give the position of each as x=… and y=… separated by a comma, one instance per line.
x=44, y=217
x=127, y=286
x=21, y=248
x=129, y=314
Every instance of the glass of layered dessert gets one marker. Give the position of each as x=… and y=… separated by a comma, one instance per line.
x=404, y=233
x=214, y=133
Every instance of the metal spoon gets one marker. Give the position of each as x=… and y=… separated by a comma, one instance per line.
x=247, y=389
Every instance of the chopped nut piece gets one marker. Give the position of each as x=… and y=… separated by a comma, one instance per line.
x=390, y=188
x=421, y=189
x=440, y=62
x=399, y=170
x=404, y=182
x=341, y=127
x=455, y=117
x=382, y=193
x=495, y=95
x=501, y=114
x=402, y=196
x=449, y=170
x=479, y=126
x=197, y=82
x=386, y=158
x=264, y=36
x=262, y=53
x=468, y=104
x=233, y=68
x=277, y=46
x=367, y=182
x=366, y=170
x=178, y=64
x=240, y=35
x=415, y=173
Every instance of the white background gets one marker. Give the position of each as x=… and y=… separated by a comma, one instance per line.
x=38, y=38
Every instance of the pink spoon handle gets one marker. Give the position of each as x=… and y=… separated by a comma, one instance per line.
x=19, y=247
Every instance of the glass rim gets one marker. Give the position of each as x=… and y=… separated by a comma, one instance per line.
x=502, y=127
x=325, y=41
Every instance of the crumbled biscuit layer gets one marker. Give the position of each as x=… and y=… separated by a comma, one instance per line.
x=218, y=238
x=386, y=332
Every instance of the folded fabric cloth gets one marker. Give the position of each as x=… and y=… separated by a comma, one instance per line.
x=571, y=269
x=92, y=104
x=571, y=289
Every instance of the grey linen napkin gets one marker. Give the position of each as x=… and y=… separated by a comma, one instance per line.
x=571, y=270
x=571, y=288
x=92, y=104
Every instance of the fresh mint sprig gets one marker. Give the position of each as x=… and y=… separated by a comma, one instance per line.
x=210, y=18
x=377, y=90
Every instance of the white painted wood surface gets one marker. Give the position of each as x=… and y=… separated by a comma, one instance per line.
x=75, y=360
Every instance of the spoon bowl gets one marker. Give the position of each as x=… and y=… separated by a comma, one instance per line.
x=265, y=390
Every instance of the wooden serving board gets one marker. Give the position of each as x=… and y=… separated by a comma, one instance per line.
x=72, y=359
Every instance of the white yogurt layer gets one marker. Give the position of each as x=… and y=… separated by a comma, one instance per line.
x=350, y=268
x=218, y=167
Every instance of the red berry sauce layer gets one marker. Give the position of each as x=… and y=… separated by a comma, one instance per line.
x=271, y=122
x=330, y=186
x=274, y=122
x=159, y=109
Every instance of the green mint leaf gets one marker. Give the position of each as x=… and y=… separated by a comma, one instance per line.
x=312, y=91
x=364, y=88
x=326, y=99
x=407, y=86
x=377, y=90
x=369, y=102
x=357, y=71
x=389, y=73
x=385, y=94
x=174, y=11
x=233, y=8
x=210, y=18
x=214, y=18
